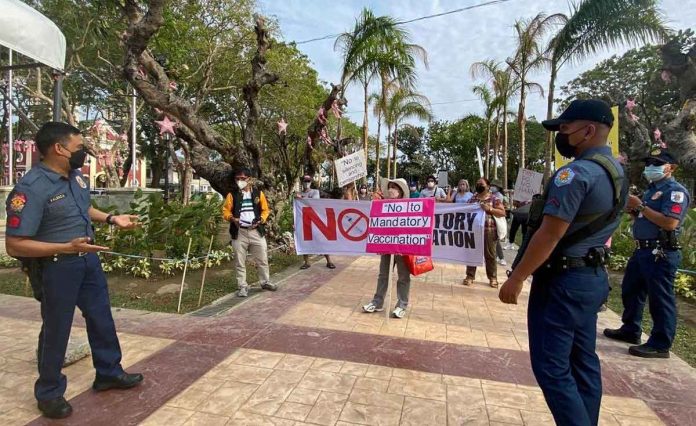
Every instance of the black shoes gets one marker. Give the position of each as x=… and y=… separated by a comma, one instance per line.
x=124, y=381
x=618, y=334
x=645, y=351
x=55, y=408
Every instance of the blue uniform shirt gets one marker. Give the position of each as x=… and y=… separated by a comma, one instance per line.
x=49, y=207
x=582, y=187
x=668, y=197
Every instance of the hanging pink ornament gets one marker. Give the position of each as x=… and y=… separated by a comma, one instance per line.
x=630, y=104
x=282, y=127
x=666, y=76
x=321, y=115
x=166, y=126
x=657, y=134
x=173, y=85
x=336, y=109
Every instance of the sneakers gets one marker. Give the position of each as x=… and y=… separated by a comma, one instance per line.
x=399, y=312
x=269, y=286
x=243, y=291
x=371, y=307
x=502, y=262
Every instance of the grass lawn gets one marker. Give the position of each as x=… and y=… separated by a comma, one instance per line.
x=219, y=282
x=685, y=340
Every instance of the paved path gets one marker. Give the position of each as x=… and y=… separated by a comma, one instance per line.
x=307, y=355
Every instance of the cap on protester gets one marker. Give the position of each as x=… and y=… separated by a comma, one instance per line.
x=662, y=156
x=582, y=109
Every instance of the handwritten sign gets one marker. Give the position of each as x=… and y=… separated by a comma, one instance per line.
x=527, y=184
x=351, y=168
x=401, y=226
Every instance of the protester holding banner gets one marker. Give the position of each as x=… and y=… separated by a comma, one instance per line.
x=364, y=194
x=306, y=193
x=462, y=194
x=493, y=208
x=396, y=188
x=247, y=210
x=432, y=190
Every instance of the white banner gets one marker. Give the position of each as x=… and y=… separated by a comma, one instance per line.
x=351, y=168
x=340, y=227
x=528, y=183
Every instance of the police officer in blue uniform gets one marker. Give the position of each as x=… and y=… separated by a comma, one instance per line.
x=651, y=270
x=566, y=254
x=49, y=227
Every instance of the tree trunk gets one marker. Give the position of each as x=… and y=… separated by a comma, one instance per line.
x=389, y=153
x=496, y=147
x=365, y=124
x=396, y=144
x=488, y=149
x=505, y=149
x=522, y=124
x=549, y=148
x=377, y=149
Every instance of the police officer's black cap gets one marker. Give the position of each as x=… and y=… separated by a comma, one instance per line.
x=582, y=109
x=661, y=155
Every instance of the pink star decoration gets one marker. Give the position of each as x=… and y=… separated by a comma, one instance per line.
x=336, y=109
x=282, y=127
x=666, y=76
x=166, y=126
x=657, y=134
x=630, y=104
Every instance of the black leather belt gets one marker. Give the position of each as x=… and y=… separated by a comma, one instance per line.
x=652, y=244
x=64, y=256
x=564, y=263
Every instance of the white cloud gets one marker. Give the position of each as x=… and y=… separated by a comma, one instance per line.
x=453, y=42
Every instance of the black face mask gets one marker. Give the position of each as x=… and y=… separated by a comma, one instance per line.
x=480, y=188
x=563, y=144
x=77, y=158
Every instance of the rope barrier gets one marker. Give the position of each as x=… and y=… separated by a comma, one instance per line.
x=167, y=259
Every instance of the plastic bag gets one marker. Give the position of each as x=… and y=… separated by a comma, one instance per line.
x=418, y=265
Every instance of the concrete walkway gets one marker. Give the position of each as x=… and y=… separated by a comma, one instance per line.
x=308, y=355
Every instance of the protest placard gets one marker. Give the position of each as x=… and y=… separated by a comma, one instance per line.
x=340, y=227
x=527, y=185
x=351, y=168
x=401, y=226
x=442, y=179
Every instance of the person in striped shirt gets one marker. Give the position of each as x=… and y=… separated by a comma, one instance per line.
x=247, y=210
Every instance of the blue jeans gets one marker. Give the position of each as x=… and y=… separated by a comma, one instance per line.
x=562, y=323
x=70, y=282
x=653, y=280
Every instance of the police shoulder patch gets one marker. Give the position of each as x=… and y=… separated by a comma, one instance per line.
x=17, y=202
x=80, y=182
x=677, y=197
x=564, y=177
x=656, y=195
x=14, y=221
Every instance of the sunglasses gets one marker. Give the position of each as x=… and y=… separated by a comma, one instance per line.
x=654, y=162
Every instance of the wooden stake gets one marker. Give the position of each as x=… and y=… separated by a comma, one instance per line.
x=183, y=278
x=205, y=269
x=389, y=285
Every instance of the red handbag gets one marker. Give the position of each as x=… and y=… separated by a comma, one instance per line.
x=419, y=264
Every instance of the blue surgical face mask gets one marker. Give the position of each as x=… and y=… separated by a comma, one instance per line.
x=654, y=173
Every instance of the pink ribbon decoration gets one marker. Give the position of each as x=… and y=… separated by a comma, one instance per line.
x=321, y=115
x=657, y=134
x=336, y=109
x=282, y=127
x=173, y=85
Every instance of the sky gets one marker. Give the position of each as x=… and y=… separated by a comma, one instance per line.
x=453, y=43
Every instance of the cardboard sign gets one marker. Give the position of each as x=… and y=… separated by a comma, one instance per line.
x=401, y=226
x=528, y=184
x=351, y=168
x=442, y=179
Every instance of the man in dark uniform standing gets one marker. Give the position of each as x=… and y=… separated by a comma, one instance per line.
x=49, y=226
x=651, y=270
x=579, y=212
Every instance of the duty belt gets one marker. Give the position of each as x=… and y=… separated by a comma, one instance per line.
x=652, y=244
x=564, y=263
x=64, y=256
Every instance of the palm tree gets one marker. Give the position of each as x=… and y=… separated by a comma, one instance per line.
x=379, y=46
x=505, y=86
x=595, y=25
x=491, y=106
x=530, y=57
x=401, y=104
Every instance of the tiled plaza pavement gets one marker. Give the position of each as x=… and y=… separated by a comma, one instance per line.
x=307, y=355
